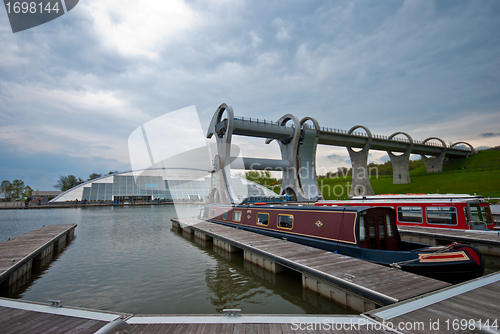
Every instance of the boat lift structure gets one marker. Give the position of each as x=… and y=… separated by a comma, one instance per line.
x=298, y=140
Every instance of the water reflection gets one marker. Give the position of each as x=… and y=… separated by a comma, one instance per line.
x=236, y=283
x=39, y=267
x=128, y=259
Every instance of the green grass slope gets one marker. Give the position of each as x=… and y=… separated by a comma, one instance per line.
x=481, y=176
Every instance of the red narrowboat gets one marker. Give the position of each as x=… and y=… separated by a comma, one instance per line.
x=367, y=233
x=452, y=211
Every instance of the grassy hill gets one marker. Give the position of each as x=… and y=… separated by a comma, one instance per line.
x=481, y=176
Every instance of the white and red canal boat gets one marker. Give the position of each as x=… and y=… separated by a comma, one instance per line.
x=451, y=211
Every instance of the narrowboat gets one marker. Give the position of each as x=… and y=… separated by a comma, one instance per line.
x=451, y=211
x=367, y=233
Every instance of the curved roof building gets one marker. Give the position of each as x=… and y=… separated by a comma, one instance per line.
x=156, y=183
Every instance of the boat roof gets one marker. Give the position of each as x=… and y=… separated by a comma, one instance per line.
x=410, y=198
x=420, y=196
x=302, y=207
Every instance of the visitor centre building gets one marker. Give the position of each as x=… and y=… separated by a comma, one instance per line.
x=164, y=184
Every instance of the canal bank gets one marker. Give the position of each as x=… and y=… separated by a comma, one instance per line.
x=89, y=204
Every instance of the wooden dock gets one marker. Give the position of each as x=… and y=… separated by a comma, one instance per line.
x=469, y=305
x=487, y=242
x=34, y=318
x=28, y=317
x=356, y=284
x=17, y=254
x=256, y=324
x=443, y=311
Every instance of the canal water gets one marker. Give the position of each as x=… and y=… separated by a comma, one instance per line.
x=129, y=259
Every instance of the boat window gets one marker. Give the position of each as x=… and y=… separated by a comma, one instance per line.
x=390, y=232
x=205, y=212
x=442, y=215
x=381, y=226
x=263, y=219
x=285, y=221
x=225, y=215
x=362, y=228
x=487, y=214
x=212, y=213
x=237, y=216
x=466, y=214
x=371, y=230
x=475, y=212
x=381, y=232
x=371, y=222
x=410, y=214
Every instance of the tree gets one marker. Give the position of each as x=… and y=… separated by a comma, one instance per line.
x=6, y=189
x=263, y=178
x=27, y=191
x=67, y=182
x=17, y=188
x=94, y=176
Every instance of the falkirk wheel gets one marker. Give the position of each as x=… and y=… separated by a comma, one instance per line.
x=298, y=141
x=298, y=154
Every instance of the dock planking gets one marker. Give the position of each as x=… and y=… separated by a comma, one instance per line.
x=448, y=310
x=17, y=254
x=34, y=318
x=241, y=329
x=257, y=324
x=29, y=317
x=386, y=285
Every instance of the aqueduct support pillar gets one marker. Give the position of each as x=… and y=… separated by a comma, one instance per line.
x=360, y=178
x=401, y=163
x=299, y=181
x=434, y=164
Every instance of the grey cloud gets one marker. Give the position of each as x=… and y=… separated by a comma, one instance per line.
x=344, y=63
x=489, y=135
x=335, y=157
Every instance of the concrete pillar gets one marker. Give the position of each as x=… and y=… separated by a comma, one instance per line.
x=307, y=160
x=299, y=180
x=187, y=230
x=228, y=247
x=61, y=242
x=360, y=177
x=263, y=262
x=434, y=164
x=202, y=236
x=290, y=181
x=341, y=296
x=401, y=163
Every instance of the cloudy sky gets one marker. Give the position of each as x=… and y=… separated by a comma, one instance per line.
x=74, y=89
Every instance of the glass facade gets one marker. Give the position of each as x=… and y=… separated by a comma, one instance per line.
x=163, y=184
